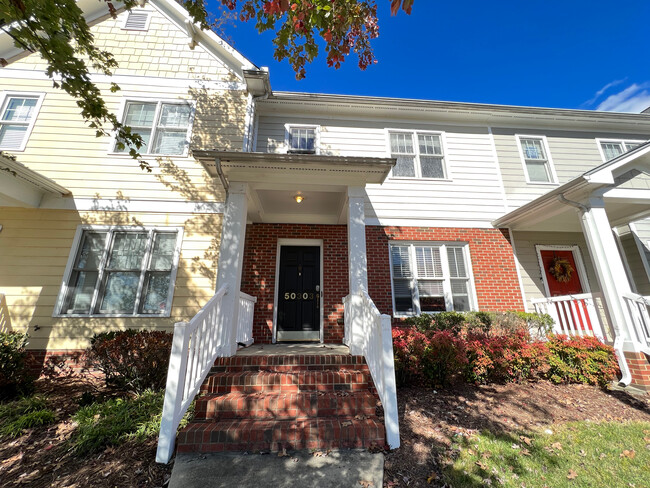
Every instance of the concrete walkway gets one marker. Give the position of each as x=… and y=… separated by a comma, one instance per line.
x=344, y=468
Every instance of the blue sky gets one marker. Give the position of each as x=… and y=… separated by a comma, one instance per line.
x=569, y=54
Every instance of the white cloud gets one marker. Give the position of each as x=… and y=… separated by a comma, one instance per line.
x=634, y=99
x=603, y=90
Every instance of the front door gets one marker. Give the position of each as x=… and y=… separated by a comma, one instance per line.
x=561, y=272
x=299, y=294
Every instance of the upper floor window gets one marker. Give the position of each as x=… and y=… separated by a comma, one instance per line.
x=17, y=119
x=430, y=277
x=164, y=126
x=302, y=139
x=121, y=271
x=536, y=159
x=613, y=148
x=419, y=154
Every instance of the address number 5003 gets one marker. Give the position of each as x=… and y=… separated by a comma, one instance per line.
x=299, y=296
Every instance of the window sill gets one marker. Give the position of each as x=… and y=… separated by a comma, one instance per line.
x=127, y=155
x=111, y=315
x=13, y=150
x=414, y=178
x=541, y=183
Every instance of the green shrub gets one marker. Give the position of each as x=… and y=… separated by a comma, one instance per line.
x=131, y=360
x=26, y=413
x=15, y=376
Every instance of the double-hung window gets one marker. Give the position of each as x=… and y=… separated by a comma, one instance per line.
x=419, y=154
x=121, y=271
x=17, y=119
x=536, y=159
x=430, y=277
x=164, y=126
x=302, y=139
x=612, y=148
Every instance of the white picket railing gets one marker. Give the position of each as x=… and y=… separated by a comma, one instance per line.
x=245, y=321
x=195, y=346
x=368, y=333
x=637, y=306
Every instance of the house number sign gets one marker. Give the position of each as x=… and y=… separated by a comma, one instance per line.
x=299, y=296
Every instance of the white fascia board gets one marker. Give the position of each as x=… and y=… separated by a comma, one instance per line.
x=606, y=172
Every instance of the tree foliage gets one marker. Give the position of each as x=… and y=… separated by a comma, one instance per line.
x=57, y=30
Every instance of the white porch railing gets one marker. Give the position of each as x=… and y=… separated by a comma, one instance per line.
x=637, y=306
x=574, y=315
x=196, y=345
x=368, y=333
x=5, y=321
x=245, y=321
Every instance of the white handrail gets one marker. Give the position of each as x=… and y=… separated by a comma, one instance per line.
x=574, y=315
x=245, y=320
x=368, y=333
x=195, y=346
x=637, y=306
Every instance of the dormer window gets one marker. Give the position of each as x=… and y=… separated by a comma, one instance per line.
x=302, y=139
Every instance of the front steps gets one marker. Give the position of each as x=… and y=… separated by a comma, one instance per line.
x=269, y=403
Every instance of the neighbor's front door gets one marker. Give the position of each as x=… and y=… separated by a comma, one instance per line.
x=299, y=293
x=559, y=288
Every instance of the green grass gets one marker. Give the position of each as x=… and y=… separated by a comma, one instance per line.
x=580, y=454
x=23, y=414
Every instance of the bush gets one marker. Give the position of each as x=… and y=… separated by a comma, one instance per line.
x=580, y=360
x=26, y=413
x=15, y=376
x=131, y=360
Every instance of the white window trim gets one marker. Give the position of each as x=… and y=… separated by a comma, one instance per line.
x=418, y=169
x=3, y=99
x=549, y=159
x=446, y=279
x=600, y=141
x=146, y=27
x=160, y=102
x=289, y=126
x=577, y=257
x=105, y=228
x=640, y=248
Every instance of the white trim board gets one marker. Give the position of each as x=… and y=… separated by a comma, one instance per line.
x=577, y=257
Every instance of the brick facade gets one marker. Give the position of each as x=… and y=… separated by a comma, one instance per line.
x=493, y=265
x=639, y=364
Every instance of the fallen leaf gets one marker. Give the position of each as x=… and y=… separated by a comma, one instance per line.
x=647, y=439
x=432, y=477
x=482, y=465
x=583, y=453
x=557, y=445
x=628, y=454
x=602, y=456
x=486, y=455
x=572, y=475
x=526, y=440
x=366, y=484
x=525, y=452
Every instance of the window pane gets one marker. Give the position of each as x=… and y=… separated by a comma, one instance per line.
x=612, y=149
x=170, y=142
x=119, y=293
x=302, y=139
x=140, y=114
x=431, y=296
x=533, y=149
x=175, y=115
x=430, y=144
x=156, y=290
x=401, y=142
x=400, y=259
x=456, y=259
x=128, y=250
x=80, y=292
x=428, y=262
x=403, y=296
x=460, y=295
x=162, y=255
x=538, y=171
x=631, y=145
x=405, y=166
x=432, y=167
x=146, y=137
x=19, y=109
x=92, y=248
x=12, y=136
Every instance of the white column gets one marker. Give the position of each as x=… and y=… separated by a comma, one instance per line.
x=609, y=267
x=231, y=257
x=358, y=262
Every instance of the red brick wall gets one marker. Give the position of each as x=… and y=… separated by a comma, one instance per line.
x=639, y=365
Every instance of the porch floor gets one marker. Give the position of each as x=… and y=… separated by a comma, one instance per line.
x=297, y=349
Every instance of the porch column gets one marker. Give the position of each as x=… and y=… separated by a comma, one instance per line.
x=358, y=262
x=231, y=257
x=609, y=268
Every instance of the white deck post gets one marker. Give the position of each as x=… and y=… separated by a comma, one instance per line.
x=357, y=263
x=389, y=399
x=231, y=257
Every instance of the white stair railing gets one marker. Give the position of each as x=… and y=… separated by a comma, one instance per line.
x=368, y=333
x=195, y=346
x=573, y=315
x=245, y=321
x=637, y=306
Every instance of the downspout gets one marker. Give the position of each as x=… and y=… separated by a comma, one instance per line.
x=251, y=120
x=222, y=177
x=626, y=375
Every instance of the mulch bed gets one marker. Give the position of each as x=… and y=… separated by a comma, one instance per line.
x=429, y=419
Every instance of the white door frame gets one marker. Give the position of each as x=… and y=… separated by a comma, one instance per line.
x=577, y=257
x=297, y=242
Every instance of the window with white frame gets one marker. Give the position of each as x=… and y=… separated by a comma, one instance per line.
x=612, y=149
x=536, y=159
x=419, y=154
x=302, y=139
x=17, y=118
x=430, y=277
x=164, y=126
x=121, y=271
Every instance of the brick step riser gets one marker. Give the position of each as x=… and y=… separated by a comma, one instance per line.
x=306, y=361
x=280, y=388
x=294, y=368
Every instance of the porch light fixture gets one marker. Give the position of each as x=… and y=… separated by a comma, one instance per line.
x=298, y=198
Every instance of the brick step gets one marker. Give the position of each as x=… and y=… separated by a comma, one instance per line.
x=285, y=405
x=288, y=363
x=286, y=382
x=274, y=435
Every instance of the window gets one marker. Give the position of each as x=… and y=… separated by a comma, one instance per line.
x=419, y=155
x=535, y=156
x=302, y=139
x=18, y=117
x=430, y=278
x=164, y=126
x=613, y=149
x=121, y=271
